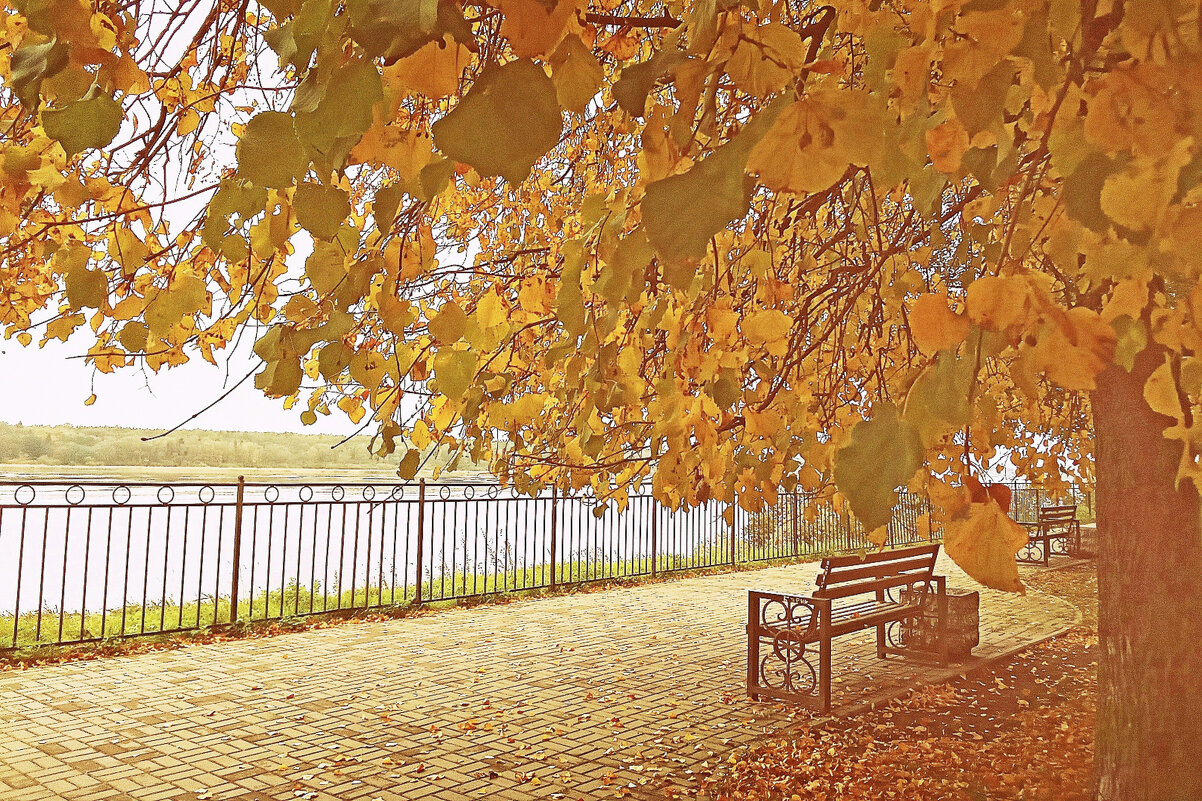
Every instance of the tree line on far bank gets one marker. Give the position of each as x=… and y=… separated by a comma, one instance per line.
x=119, y=447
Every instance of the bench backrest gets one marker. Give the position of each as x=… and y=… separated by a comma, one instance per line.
x=845, y=576
x=1057, y=514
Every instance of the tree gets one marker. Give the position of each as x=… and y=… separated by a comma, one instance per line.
x=727, y=247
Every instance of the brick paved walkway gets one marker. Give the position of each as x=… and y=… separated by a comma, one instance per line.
x=567, y=697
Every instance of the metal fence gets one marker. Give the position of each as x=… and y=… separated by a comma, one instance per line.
x=1026, y=500
x=91, y=561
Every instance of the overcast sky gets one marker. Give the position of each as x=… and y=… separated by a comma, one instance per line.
x=48, y=387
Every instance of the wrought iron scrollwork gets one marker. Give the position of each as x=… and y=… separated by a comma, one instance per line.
x=1032, y=551
x=789, y=625
x=1061, y=545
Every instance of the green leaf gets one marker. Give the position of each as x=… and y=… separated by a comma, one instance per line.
x=449, y=324
x=332, y=116
x=569, y=301
x=321, y=210
x=186, y=295
x=86, y=287
x=282, y=40
x=133, y=336
x=636, y=82
x=454, y=371
x=89, y=122
x=435, y=177
x=507, y=122
x=384, y=207
x=34, y=63
x=980, y=107
x=394, y=29
x=1132, y=339
x=577, y=74
x=326, y=266
x=409, y=464
x=617, y=278
x=232, y=197
x=884, y=453
x=1082, y=191
x=269, y=154
x=683, y=212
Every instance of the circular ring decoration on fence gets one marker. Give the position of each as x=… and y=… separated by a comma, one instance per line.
x=305, y=493
x=121, y=495
x=368, y=493
x=271, y=494
x=338, y=493
x=469, y=492
x=32, y=494
x=75, y=500
x=397, y=493
x=165, y=494
x=493, y=491
x=444, y=492
x=206, y=494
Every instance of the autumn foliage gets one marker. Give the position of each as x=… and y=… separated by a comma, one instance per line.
x=725, y=247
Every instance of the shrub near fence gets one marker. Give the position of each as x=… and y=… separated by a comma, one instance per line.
x=93, y=561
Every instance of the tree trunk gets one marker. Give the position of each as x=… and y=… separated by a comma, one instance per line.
x=1150, y=599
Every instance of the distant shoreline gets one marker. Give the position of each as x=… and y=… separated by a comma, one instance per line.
x=70, y=453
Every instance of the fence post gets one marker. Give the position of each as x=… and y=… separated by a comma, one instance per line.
x=734, y=515
x=421, y=538
x=554, y=534
x=795, y=543
x=237, y=561
x=654, y=538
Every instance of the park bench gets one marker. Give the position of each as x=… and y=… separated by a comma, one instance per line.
x=1057, y=532
x=853, y=593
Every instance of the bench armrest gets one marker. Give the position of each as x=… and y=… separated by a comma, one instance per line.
x=767, y=609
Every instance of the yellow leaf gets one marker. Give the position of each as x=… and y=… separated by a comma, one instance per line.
x=766, y=58
x=812, y=142
x=983, y=540
x=912, y=73
x=946, y=144
x=1160, y=391
x=1129, y=297
x=934, y=326
x=1008, y=304
x=90, y=399
x=532, y=29
x=769, y=327
x=434, y=70
x=1152, y=180
x=1073, y=351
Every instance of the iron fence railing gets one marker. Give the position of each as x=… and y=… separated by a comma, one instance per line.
x=95, y=560
x=1026, y=500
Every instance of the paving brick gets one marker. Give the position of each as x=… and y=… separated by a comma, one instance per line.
x=578, y=692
